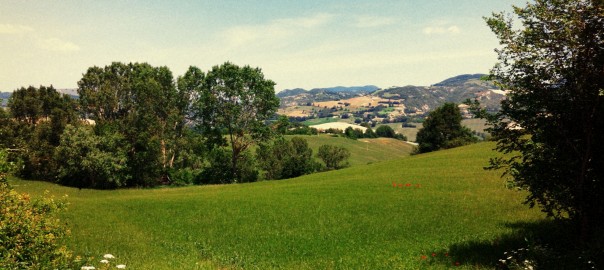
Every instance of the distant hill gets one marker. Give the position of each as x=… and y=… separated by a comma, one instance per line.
x=332, y=90
x=459, y=80
x=4, y=96
x=456, y=89
x=406, y=100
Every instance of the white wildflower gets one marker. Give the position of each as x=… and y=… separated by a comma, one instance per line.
x=87, y=268
x=108, y=256
x=104, y=261
x=121, y=266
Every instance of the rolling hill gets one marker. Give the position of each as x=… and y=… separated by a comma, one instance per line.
x=431, y=211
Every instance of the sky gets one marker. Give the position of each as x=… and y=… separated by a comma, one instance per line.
x=297, y=43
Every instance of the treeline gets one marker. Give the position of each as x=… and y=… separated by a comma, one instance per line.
x=135, y=125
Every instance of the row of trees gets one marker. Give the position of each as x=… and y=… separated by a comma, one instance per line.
x=135, y=125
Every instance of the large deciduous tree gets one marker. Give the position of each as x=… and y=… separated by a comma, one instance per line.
x=442, y=129
x=142, y=103
x=552, y=124
x=232, y=106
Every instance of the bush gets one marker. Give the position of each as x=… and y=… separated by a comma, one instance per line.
x=334, y=157
x=385, y=131
x=86, y=160
x=29, y=230
x=282, y=159
x=215, y=172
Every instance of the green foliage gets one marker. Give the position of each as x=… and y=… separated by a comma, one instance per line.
x=369, y=133
x=334, y=157
x=39, y=116
x=87, y=160
x=30, y=233
x=142, y=104
x=234, y=101
x=215, y=173
x=281, y=158
x=443, y=129
x=385, y=131
x=350, y=133
x=551, y=123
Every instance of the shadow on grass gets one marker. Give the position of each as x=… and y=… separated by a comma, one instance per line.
x=547, y=244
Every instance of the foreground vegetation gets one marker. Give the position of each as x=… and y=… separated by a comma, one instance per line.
x=365, y=216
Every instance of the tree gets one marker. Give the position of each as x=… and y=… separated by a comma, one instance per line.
x=334, y=157
x=40, y=116
x=551, y=125
x=385, y=131
x=141, y=103
x=281, y=159
x=235, y=101
x=86, y=160
x=443, y=129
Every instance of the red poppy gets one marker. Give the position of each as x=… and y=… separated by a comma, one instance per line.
x=433, y=254
x=446, y=254
x=424, y=257
x=393, y=184
x=456, y=263
x=408, y=184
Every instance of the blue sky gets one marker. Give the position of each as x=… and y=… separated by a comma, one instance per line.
x=305, y=44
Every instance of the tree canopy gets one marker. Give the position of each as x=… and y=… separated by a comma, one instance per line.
x=442, y=129
x=551, y=125
x=235, y=101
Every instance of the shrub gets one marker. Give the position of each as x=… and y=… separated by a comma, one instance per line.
x=29, y=229
x=334, y=157
x=282, y=159
x=385, y=131
x=215, y=172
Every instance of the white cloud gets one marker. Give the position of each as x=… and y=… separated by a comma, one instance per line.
x=371, y=21
x=55, y=44
x=14, y=29
x=275, y=30
x=434, y=30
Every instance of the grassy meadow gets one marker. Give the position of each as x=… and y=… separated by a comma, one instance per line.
x=432, y=211
x=362, y=151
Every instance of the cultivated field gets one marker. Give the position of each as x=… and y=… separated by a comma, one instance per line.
x=430, y=211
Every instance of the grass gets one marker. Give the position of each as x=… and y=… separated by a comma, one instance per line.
x=363, y=151
x=318, y=121
x=347, y=219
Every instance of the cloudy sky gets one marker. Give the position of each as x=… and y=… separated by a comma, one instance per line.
x=297, y=43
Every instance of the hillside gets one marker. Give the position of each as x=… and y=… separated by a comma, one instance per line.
x=294, y=97
x=402, y=101
x=364, y=151
x=456, y=89
x=452, y=212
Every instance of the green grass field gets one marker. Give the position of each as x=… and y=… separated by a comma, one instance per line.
x=363, y=151
x=354, y=218
x=318, y=121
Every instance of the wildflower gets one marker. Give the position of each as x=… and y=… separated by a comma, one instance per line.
x=87, y=268
x=408, y=184
x=456, y=263
x=447, y=254
x=108, y=256
x=393, y=184
x=433, y=254
x=121, y=266
x=104, y=261
x=424, y=257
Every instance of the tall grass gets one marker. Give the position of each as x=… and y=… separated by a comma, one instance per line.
x=347, y=219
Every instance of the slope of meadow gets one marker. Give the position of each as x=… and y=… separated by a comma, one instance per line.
x=363, y=151
x=435, y=210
